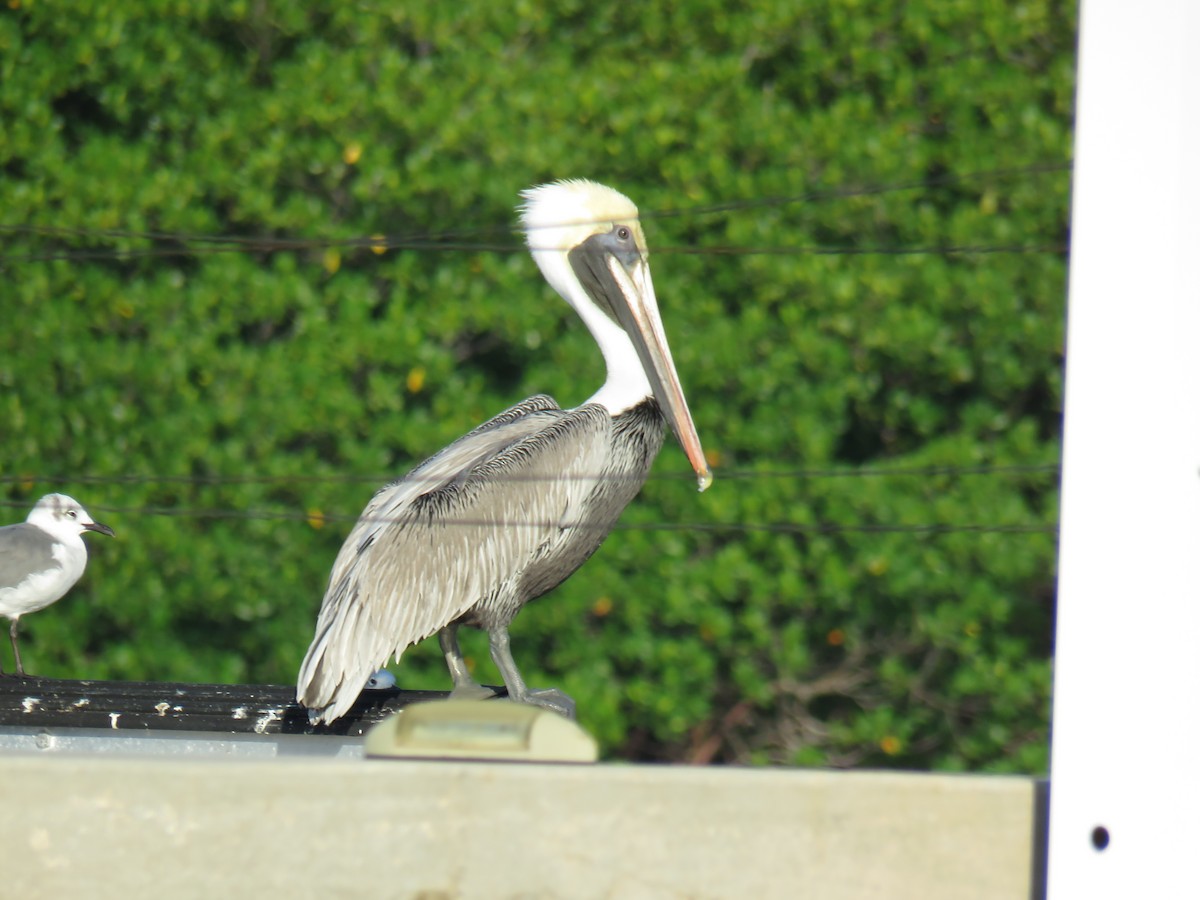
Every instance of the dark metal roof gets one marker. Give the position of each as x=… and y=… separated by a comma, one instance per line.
x=169, y=706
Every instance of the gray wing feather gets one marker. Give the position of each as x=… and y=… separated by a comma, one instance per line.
x=458, y=530
x=24, y=550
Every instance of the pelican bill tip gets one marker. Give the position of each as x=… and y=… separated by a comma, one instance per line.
x=704, y=479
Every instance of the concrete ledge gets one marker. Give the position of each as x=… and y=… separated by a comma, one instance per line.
x=120, y=827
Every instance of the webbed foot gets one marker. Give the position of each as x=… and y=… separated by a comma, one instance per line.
x=548, y=698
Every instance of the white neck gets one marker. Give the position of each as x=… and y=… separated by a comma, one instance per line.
x=626, y=384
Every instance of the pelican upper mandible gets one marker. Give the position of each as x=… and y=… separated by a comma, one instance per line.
x=511, y=509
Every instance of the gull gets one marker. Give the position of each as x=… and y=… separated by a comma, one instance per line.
x=42, y=558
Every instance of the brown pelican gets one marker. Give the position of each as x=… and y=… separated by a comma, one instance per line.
x=508, y=511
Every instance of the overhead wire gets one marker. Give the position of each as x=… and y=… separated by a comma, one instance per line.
x=467, y=240
x=794, y=528
x=928, y=471
x=455, y=241
x=319, y=519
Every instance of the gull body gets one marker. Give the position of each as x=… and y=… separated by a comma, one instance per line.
x=42, y=558
x=511, y=509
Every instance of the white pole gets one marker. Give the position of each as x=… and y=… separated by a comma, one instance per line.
x=1125, y=765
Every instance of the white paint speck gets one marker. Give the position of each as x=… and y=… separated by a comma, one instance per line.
x=82, y=702
x=240, y=712
x=29, y=704
x=271, y=715
x=113, y=718
x=162, y=708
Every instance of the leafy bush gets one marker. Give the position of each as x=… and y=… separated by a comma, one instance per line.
x=260, y=258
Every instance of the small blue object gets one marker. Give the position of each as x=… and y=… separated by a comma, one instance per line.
x=381, y=681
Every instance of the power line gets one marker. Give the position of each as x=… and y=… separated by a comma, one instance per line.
x=721, y=250
x=930, y=250
x=840, y=193
x=319, y=519
x=798, y=474
x=453, y=240
x=439, y=238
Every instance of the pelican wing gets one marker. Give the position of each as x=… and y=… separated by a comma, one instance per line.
x=458, y=531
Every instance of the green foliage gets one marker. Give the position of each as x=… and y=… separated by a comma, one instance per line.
x=236, y=404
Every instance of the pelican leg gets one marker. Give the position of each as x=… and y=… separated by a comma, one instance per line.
x=550, y=698
x=465, y=687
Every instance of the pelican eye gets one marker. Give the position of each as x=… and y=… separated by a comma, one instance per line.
x=622, y=232
x=70, y=513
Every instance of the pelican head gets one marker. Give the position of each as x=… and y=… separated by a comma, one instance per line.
x=589, y=244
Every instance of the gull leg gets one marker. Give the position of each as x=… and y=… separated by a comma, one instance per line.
x=12, y=636
x=465, y=687
x=550, y=698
